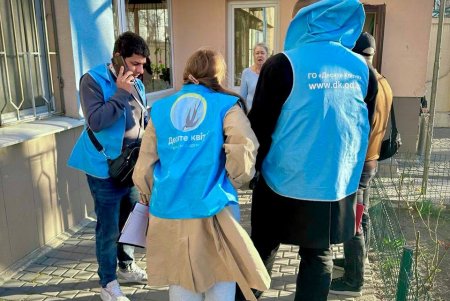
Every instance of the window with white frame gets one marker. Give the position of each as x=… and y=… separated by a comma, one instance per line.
x=250, y=22
x=437, y=5
x=28, y=60
x=151, y=20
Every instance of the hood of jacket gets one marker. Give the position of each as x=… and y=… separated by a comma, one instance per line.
x=338, y=21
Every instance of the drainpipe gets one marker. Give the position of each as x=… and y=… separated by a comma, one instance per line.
x=434, y=85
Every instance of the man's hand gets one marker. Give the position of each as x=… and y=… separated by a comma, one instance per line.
x=125, y=81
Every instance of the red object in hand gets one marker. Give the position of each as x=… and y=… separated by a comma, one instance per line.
x=358, y=217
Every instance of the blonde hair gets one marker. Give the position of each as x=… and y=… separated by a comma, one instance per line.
x=207, y=67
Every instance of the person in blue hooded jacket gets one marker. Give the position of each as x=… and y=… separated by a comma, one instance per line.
x=311, y=116
x=114, y=107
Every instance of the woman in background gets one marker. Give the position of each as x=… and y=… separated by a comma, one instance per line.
x=197, y=149
x=250, y=75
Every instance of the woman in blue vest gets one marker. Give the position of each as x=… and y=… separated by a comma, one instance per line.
x=197, y=149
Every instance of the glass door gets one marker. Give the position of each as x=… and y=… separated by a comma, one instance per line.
x=250, y=22
x=151, y=19
x=374, y=24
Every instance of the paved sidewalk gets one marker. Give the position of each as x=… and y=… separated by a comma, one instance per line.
x=68, y=272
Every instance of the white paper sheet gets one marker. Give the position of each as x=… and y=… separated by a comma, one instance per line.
x=135, y=229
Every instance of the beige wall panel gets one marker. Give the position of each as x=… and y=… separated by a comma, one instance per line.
x=443, y=92
x=196, y=23
x=407, y=117
x=42, y=158
x=286, y=7
x=19, y=203
x=5, y=249
x=68, y=185
x=405, y=50
x=86, y=201
x=73, y=189
x=85, y=194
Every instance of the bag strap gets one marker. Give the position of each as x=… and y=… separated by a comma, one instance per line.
x=393, y=123
x=94, y=140
x=97, y=144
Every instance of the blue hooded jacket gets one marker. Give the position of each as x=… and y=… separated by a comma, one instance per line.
x=320, y=140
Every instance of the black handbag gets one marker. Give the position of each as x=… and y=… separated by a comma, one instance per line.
x=121, y=168
x=390, y=146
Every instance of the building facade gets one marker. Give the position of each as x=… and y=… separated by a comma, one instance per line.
x=46, y=45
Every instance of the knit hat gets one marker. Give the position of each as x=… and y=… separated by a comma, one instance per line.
x=365, y=45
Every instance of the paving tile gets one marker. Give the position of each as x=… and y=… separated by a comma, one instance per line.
x=84, y=275
x=29, y=277
x=35, y=268
x=64, y=263
x=288, y=269
x=36, y=298
x=15, y=297
x=69, y=294
x=59, y=271
x=72, y=241
x=55, y=280
x=43, y=279
x=82, y=266
x=94, y=297
x=14, y=283
x=51, y=294
x=48, y=261
x=49, y=270
x=70, y=273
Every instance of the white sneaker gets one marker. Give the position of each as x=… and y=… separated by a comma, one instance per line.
x=112, y=292
x=133, y=273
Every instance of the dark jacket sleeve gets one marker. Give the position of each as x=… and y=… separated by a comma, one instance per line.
x=372, y=91
x=101, y=114
x=272, y=90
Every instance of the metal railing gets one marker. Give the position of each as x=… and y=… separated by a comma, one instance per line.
x=408, y=264
x=17, y=64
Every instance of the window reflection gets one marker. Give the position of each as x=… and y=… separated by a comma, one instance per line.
x=252, y=25
x=150, y=19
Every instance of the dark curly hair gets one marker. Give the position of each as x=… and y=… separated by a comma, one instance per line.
x=129, y=43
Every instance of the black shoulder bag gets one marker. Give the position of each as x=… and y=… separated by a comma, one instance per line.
x=390, y=146
x=120, y=168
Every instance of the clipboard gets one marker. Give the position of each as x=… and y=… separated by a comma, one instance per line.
x=134, y=232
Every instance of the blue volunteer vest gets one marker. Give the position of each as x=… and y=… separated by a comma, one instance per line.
x=85, y=156
x=190, y=179
x=320, y=140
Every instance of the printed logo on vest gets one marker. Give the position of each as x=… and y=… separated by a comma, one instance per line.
x=188, y=112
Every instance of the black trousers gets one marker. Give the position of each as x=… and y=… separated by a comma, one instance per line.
x=312, y=226
x=314, y=276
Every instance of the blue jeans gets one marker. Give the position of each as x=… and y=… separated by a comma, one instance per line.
x=356, y=249
x=112, y=204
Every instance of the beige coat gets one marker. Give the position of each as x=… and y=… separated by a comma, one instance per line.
x=380, y=118
x=197, y=253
